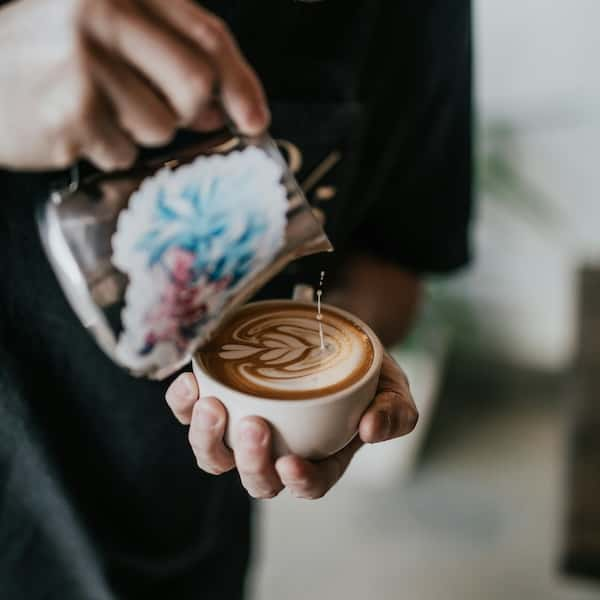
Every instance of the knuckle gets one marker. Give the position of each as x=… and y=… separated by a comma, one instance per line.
x=256, y=423
x=197, y=411
x=197, y=89
x=215, y=410
x=200, y=84
x=254, y=470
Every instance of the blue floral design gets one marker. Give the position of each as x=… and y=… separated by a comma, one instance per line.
x=205, y=231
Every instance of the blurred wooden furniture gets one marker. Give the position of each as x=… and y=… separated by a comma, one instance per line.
x=582, y=543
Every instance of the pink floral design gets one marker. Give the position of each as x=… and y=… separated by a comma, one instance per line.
x=183, y=302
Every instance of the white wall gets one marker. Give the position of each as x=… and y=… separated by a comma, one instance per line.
x=537, y=53
x=537, y=72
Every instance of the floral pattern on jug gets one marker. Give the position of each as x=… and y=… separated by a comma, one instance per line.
x=190, y=237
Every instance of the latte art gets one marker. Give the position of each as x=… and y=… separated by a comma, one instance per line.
x=276, y=352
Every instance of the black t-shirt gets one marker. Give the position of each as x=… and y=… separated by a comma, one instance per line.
x=100, y=497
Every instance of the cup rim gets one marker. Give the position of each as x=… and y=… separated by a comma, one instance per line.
x=375, y=366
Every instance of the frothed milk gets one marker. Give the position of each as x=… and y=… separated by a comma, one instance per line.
x=276, y=352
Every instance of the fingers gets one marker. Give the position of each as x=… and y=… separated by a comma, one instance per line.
x=104, y=143
x=140, y=111
x=181, y=397
x=210, y=119
x=207, y=428
x=207, y=418
x=182, y=74
x=393, y=412
x=253, y=458
x=159, y=65
x=312, y=480
x=241, y=92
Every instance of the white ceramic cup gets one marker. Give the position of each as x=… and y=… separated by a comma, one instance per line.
x=313, y=428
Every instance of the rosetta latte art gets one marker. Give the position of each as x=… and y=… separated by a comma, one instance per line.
x=277, y=353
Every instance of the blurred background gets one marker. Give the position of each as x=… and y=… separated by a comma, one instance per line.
x=474, y=504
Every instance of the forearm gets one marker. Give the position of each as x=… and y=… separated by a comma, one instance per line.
x=382, y=294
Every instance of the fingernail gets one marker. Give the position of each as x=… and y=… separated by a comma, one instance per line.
x=207, y=418
x=253, y=435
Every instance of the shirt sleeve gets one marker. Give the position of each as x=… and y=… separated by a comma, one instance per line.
x=411, y=194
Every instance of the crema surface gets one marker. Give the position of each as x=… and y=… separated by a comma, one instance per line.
x=274, y=351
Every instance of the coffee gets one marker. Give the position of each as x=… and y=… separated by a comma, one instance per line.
x=274, y=351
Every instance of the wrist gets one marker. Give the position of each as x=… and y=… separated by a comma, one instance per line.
x=382, y=294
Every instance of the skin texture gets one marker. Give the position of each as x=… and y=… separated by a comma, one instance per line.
x=91, y=64
x=365, y=289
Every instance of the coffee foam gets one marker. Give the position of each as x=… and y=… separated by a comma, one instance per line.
x=274, y=351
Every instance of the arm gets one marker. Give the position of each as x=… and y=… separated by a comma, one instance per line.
x=365, y=287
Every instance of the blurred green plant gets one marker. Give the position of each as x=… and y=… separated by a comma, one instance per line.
x=499, y=178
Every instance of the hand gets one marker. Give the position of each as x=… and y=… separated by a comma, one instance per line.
x=391, y=414
x=95, y=78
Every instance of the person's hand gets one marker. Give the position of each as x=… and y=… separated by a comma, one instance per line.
x=96, y=78
x=391, y=414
